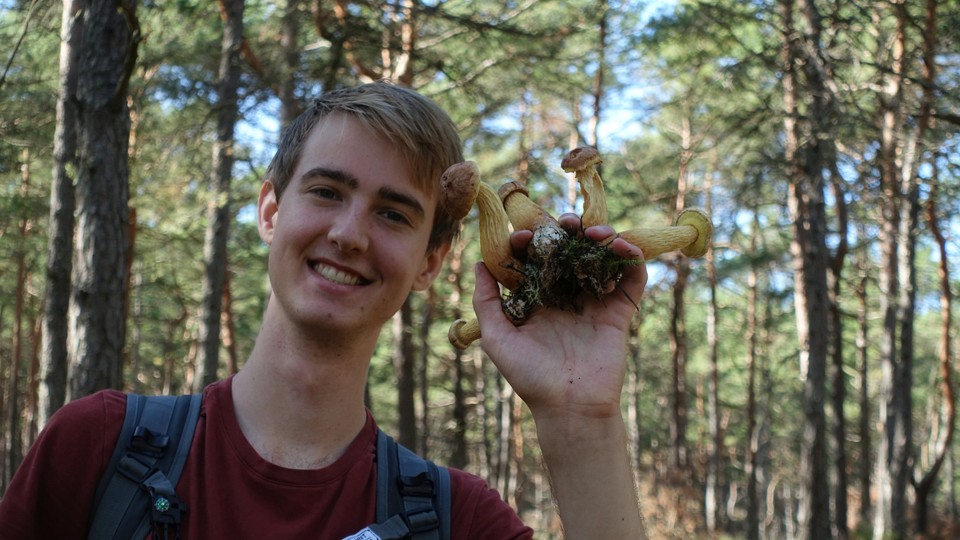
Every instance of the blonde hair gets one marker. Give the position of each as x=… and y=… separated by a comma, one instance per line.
x=423, y=132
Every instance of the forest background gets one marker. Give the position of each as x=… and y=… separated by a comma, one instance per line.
x=797, y=382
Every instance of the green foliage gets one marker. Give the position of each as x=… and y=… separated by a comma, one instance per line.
x=694, y=93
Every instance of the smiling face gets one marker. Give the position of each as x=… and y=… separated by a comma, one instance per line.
x=348, y=238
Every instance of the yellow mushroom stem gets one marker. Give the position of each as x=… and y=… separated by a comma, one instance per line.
x=463, y=332
x=521, y=210
x=495, y=240
x=691, y=234
x=583, y=161
x=524, y=214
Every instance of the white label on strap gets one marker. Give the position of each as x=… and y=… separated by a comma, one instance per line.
x=365, y=534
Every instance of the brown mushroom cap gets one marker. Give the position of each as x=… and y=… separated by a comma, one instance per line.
x=580, y=158
x=459, y=186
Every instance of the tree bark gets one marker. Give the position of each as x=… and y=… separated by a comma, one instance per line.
x=895, y=446
x=97, y=326
x=290, y=27
x=713, y=383
x=752, y=437
x=838, y=396
x=405, y=362
x=13, y=435
x=219, y=208
x=423, y=368
x=678, y=332
x=924, y=486
x=805, y=162
x=53, y=389
x=866, y=452
x=458, y=455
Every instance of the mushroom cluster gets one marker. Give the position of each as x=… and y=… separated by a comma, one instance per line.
x=559, y=267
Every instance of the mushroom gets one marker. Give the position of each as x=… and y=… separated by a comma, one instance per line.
x=583, y=161
x=691, y=233
x=463, y=332
x=495, y=240
x=526, y=214
x=460, y=189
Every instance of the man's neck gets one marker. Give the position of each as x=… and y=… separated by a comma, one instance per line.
x=300, y=402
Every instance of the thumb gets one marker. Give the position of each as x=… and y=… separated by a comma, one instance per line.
x=486, y=300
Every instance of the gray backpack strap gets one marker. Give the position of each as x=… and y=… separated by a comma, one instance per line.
x=413, y=495
x=136, y=492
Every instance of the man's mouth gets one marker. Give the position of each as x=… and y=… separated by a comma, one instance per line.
x=337, y=276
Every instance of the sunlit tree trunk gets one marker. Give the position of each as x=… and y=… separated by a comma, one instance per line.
x=219, y=206
x=678, y=332
x=53, y=389
x=752, y=437
x=713, y=382
x=97, y=326
x=895, y=446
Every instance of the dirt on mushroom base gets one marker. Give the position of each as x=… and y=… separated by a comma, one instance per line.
x=577, y=265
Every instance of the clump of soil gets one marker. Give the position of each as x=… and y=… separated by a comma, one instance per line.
x=577, y=265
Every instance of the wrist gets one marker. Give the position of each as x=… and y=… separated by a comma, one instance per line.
x=580, y=428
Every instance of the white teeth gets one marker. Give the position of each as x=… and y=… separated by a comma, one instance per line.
x=336, y=276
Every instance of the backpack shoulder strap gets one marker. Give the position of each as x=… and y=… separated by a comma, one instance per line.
x=137, y=488
x=411, y=492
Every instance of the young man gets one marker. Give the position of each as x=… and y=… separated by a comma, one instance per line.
x=286, y=448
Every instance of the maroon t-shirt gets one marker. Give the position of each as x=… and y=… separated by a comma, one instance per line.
x=231, y=492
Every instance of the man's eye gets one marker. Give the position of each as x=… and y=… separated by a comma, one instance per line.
x=393, y=215
x=324, y=192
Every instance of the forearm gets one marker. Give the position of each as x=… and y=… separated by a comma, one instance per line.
x=591, y=476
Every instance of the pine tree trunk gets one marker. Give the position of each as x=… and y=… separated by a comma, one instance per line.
x=53, y=389
x=405, y=362
x=678, y=331
x=458, y=455
x=219, y=209
x=97, y=325
x=713, y=383
x=838, y=383
x=13, y=435
x=943, y=442
x=865, y=432
x=805, y=161
x=423, y=368
x=895, y=445
x=752, y=436
x=290, y=26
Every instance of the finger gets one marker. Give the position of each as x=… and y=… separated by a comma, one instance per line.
x=519, y=240
x=622, y=248
x=486, y=298
x=570, y=222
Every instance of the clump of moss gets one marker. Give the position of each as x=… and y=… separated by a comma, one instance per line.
x=578, y=265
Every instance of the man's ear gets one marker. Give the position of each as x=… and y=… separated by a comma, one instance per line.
x=432, y=263
x=267, y=209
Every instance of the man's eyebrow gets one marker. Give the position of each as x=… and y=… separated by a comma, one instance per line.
x=336, y=175
x=404, y=199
